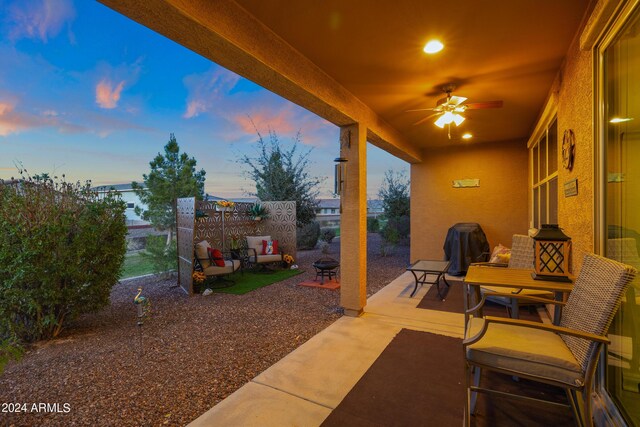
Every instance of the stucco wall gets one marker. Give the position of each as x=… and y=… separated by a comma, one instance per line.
x=575, y=111
x=499, y=205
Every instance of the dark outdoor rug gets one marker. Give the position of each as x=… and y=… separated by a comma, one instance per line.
x=454, y=302
x=418, y=380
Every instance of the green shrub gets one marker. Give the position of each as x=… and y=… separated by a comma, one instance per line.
x=9, y=350
x=307, y=236
x=373, y=225
x=327, y=234
x=402, y=225
x=390, y=233
x=61, y=252
x=163, y=258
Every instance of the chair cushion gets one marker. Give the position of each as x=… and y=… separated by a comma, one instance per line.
x=255, y=242
x=524, y=351
x=216, y=256
x=229, y=267
x=266, y=258
x=202, y=254
x=269, y=247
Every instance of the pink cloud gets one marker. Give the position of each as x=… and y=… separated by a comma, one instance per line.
x=106, y=95
x=279, y=121
x=194, y=108
x=40, y=19
x=12, y=121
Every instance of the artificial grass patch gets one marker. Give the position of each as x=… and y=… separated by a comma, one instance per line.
x=248, y=281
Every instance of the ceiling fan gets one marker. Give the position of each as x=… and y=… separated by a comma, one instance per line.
x=450, y=109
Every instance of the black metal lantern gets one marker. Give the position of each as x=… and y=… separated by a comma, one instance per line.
x=552, y=249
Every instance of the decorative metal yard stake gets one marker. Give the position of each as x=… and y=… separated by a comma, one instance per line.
x=143, y=306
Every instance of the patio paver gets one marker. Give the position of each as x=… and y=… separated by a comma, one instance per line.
x=303, y=387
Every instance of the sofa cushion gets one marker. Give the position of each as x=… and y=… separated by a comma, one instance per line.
x=524, y=351
x=229, y=267
x=216, y=256
x=255, y=242
x=202, y=254
x=266, y=258
x=270, y=247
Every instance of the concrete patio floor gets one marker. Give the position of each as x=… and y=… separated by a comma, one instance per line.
x=305, y=386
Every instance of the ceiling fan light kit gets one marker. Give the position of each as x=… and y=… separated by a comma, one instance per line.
x=449, y=110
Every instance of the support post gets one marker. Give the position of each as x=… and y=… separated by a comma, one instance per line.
x=353, y=220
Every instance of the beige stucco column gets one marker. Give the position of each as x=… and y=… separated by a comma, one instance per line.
x=353, y=220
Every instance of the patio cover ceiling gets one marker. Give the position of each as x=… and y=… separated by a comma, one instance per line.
x=494, y=50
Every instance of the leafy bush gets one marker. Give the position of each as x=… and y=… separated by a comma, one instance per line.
x=162, y=257
x=401, y=224
x=327, y=234
x=394, y=194
x=283, y=173
x=307, y=236
x=61, y=252
x=9, y=350
x=373, y=225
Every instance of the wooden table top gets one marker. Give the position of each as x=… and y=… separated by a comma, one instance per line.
x=511, y=278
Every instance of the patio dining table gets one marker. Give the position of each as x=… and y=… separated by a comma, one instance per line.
x=483, y=275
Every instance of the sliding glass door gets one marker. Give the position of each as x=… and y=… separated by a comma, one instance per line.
x=621, y=163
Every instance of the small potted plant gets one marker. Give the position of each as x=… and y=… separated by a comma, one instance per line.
x=258, y=212
x=235, y=246
x=198, y=280
x=201, y=215
x=224, y=205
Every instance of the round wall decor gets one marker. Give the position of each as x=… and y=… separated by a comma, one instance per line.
x=568, y=149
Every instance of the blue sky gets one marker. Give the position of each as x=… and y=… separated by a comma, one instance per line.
x=88, y=93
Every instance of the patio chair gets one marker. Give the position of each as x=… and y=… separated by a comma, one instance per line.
x=564, y=356
x=626, y=250
x=258, y=256
x=209, y=266
x=522, y=256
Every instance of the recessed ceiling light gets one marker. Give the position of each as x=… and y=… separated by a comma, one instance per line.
x=620, y=119
x=433, y=46
x=467, y=136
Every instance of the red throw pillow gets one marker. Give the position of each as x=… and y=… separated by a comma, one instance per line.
x=216, y=257
x=270, y=247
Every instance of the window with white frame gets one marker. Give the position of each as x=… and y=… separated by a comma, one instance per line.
x=544, y=171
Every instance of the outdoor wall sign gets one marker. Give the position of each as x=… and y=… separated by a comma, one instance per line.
x=463, y=183
x=571, y=187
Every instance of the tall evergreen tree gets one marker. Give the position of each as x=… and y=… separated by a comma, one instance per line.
x=173, y=175
x=394, y=194
x=282, y=174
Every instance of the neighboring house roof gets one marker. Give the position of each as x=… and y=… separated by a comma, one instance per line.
x=375, y=205
x=116, y=187
x=328, y=204
x=372, y=205
x=210, y=198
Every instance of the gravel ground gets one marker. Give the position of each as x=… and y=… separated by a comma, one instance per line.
x=192, y=352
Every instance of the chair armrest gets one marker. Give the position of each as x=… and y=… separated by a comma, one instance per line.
x=534, y=325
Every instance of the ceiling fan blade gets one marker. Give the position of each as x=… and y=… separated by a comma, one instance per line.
x=487, y=104
x=457, y=100
x=421, y=109
x=425, y=119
